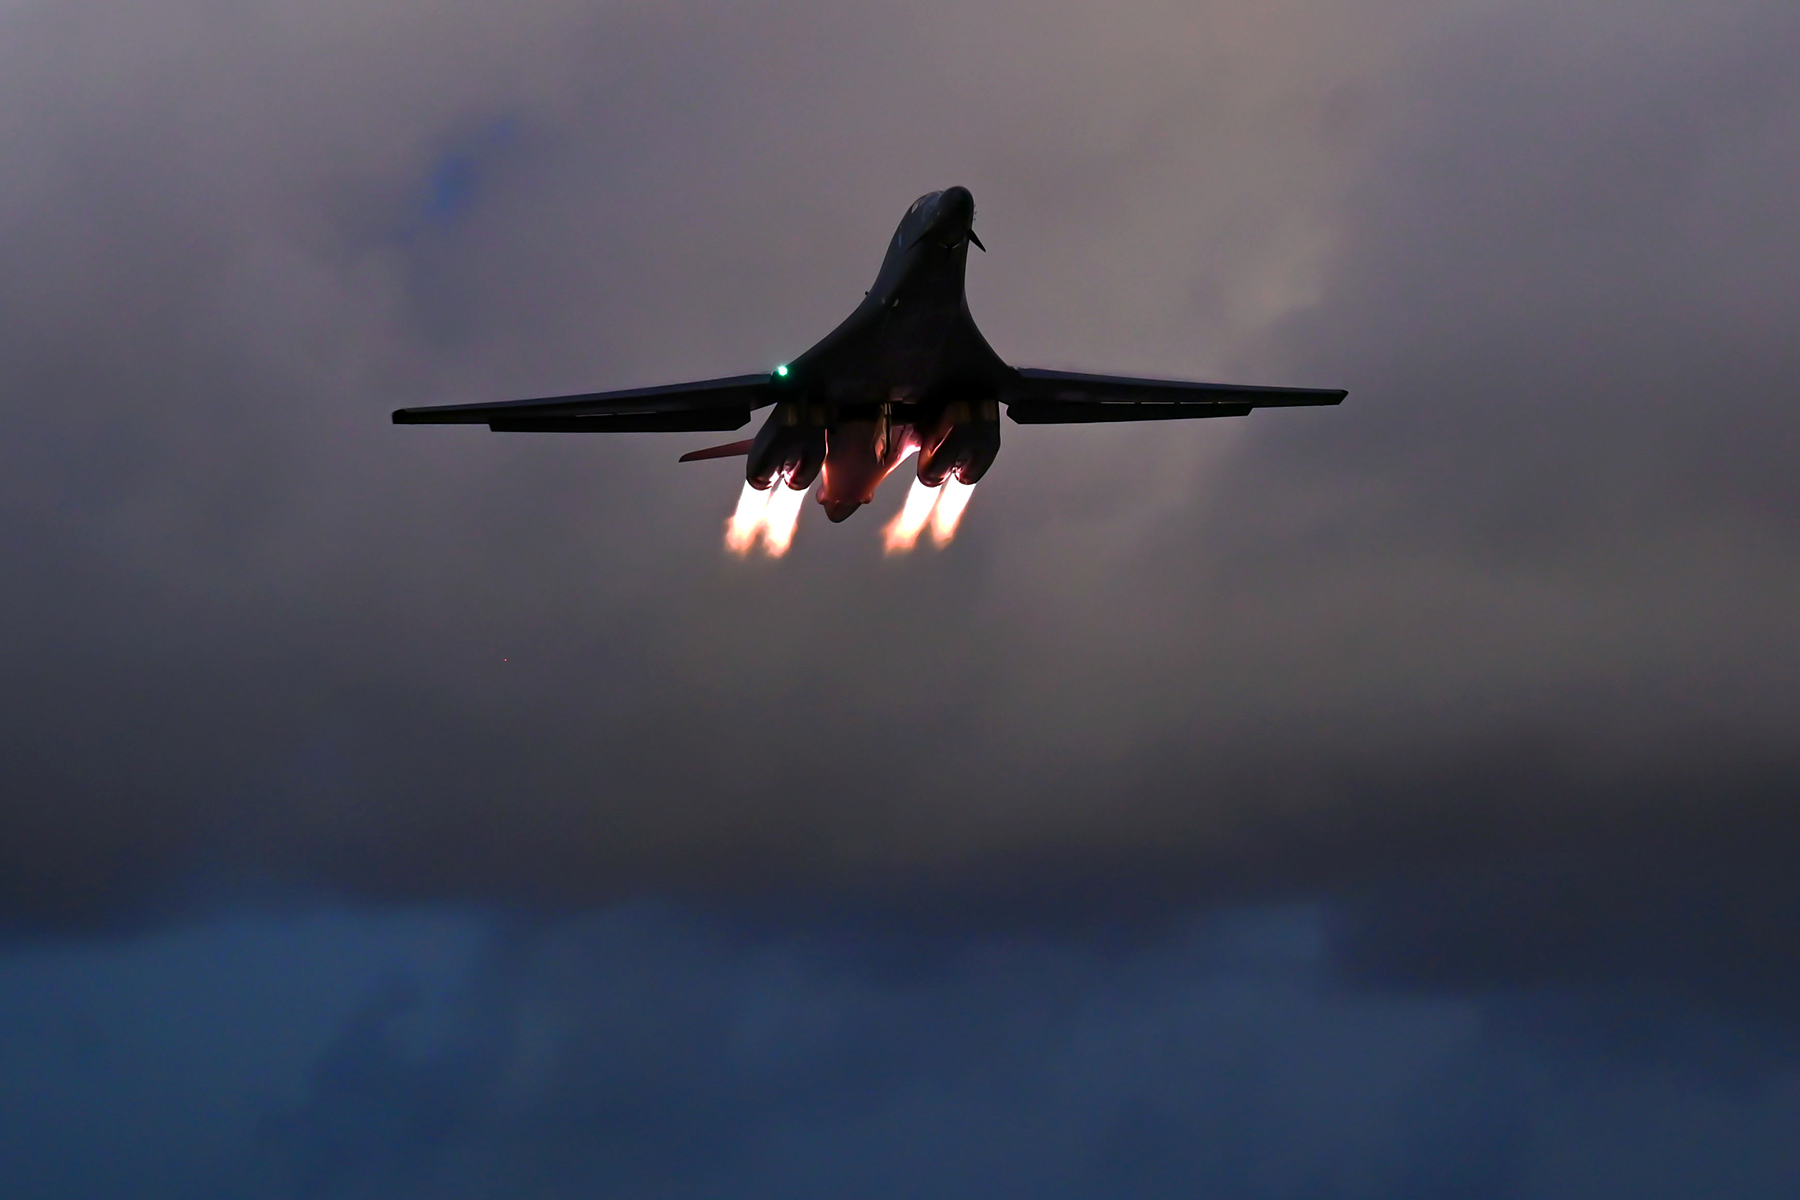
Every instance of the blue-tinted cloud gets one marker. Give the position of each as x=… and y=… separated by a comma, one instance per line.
x=654, y=1049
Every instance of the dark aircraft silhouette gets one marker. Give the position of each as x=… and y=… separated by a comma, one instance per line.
x=906, y=371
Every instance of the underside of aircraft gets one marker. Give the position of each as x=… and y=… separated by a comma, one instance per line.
x=906, y=373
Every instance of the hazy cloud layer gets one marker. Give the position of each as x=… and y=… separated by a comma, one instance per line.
x=1522, y=606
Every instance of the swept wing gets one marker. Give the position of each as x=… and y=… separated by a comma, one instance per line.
x=1035, y=397
x=708, y=404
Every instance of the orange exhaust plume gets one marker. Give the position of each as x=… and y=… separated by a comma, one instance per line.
x=747, y=521
x=773, y=514
x=953, y=498
x=780, y=518
x=902, y=533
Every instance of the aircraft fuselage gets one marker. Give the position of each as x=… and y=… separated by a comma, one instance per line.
x=907, y=370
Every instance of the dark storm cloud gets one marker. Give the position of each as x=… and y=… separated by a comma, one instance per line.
x=1529, y=593
x=643, y=1049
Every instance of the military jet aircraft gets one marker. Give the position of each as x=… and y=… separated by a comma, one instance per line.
x=906, y=372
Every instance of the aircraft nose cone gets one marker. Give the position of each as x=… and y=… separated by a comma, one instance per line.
x=956, y=210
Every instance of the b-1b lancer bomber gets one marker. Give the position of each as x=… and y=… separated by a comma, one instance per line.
x=907, y=372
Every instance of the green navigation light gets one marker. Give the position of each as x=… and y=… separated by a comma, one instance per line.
x=782, y=370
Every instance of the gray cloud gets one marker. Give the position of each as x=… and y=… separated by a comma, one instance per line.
x=1528, y=594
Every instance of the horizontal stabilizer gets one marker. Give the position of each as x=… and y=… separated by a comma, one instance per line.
x=728, y=450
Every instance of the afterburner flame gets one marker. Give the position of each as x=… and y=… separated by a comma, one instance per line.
x=780, y=518
x=953, y=498
x=902, y=533
x=940, y=507
x=774, y=514
x=747, y=521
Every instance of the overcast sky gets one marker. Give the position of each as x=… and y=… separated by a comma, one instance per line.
x=1326, y=802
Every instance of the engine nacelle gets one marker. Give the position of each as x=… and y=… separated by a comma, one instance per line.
x=964, y=442
x=790, y=443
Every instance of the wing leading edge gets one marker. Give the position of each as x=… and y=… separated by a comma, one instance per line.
x=674, y=408
x=1036, y=397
